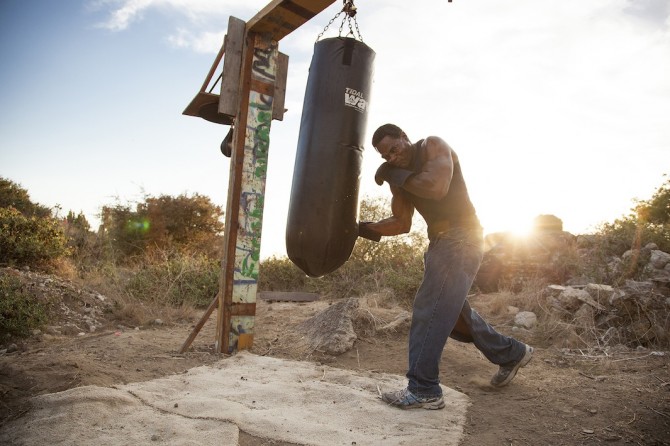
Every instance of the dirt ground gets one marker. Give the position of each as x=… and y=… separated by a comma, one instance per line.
x=563, y=397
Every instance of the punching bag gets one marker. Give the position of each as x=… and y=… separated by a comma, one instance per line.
x=322, y=224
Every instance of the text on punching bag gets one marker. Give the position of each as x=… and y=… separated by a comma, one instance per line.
x=354, y=98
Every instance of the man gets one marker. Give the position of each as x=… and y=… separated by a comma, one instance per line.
x=427, y=176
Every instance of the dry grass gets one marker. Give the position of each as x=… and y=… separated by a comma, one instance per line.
x=132, y=313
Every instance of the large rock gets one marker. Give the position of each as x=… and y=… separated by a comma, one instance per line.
x=659, y=259
x=332, y=330
x=571, y=299
x=600, y=293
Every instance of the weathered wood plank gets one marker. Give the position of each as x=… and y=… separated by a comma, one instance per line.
x=280, y=87
x=232, y=64
x=281, y=17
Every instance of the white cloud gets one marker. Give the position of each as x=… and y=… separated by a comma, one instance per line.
x=123, y=13
x=203, y=42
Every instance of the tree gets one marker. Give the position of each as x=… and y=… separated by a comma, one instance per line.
x=648, y=222
x=185, y=223
x=13, y=195
x=29, y=241
x=656, y=210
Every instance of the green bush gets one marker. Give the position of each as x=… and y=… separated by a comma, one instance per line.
x=20, y=310
x=15, y=196
x=280, y=274
x=29, y=241
x=186, y=223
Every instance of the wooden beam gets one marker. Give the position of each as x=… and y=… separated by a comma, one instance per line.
x=246, y=195
x=232, y=64
x=280, y=88
x=199, y=325
x=281, y=17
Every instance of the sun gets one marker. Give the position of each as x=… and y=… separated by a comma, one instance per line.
x=522, y=229
x=519, y=225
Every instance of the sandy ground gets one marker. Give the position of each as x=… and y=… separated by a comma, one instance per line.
x=561, y=398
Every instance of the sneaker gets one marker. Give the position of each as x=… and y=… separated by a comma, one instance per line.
x=506, y=373
x=405, y=399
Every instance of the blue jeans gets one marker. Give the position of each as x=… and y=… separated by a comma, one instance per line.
x=441, y=310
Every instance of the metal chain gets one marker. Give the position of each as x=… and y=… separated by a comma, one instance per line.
x=350, y=13
x=329, y=23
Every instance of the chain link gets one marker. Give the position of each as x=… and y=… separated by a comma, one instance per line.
x=349, y=11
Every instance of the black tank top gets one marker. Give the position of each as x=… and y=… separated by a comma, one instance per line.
x=453, y=210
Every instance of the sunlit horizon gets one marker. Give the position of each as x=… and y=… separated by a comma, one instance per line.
x=555, y=108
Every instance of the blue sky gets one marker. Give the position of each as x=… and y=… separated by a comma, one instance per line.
x=559, y=107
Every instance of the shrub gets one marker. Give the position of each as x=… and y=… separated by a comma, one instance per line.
x=15, y=196
x=29, y=241
x=280, y=274
x=189, y=224
x=20, y=310
x=175, y=279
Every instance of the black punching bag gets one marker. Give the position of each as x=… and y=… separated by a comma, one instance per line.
x=322, y=224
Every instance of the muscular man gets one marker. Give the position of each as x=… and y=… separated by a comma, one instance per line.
x=427, y=176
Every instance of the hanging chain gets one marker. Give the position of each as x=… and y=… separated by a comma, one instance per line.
x=350, y=11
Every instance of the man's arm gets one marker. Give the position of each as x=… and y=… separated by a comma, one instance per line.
x=401, y=220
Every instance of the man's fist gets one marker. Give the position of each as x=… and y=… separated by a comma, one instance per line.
x=395, y=176
x=365, y=232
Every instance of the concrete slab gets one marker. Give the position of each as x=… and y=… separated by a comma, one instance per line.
x=291, y=401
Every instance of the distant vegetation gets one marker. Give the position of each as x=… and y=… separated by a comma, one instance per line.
x=166, y=251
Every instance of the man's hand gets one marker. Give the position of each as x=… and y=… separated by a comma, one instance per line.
x=365, y=232
x=393, y=175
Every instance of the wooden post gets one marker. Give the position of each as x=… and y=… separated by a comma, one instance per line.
x=258, y=99
x=244, y=212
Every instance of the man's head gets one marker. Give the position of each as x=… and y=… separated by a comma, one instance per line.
x=393, y=145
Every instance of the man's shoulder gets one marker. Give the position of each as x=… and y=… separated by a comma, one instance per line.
x=436, y=146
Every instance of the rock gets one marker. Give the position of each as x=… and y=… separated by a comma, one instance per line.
x=589, y=301
x=651, y=246
x=659, y=259
x=600, y=293
x=555, y=290
x=332, y=330
x=402, y=320
x=525, y=319
x=569, y=299
x=11, y=348
x=638, y=287
x=512, y=310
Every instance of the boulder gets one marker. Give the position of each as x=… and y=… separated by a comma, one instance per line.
x=332, y=330
x=569, y=299
x=525, y=319
x=600, y=293
x=659, y=259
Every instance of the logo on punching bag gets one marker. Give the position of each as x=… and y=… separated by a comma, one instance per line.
x=354, y=98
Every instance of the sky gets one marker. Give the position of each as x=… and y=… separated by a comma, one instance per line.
x=554, y=107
